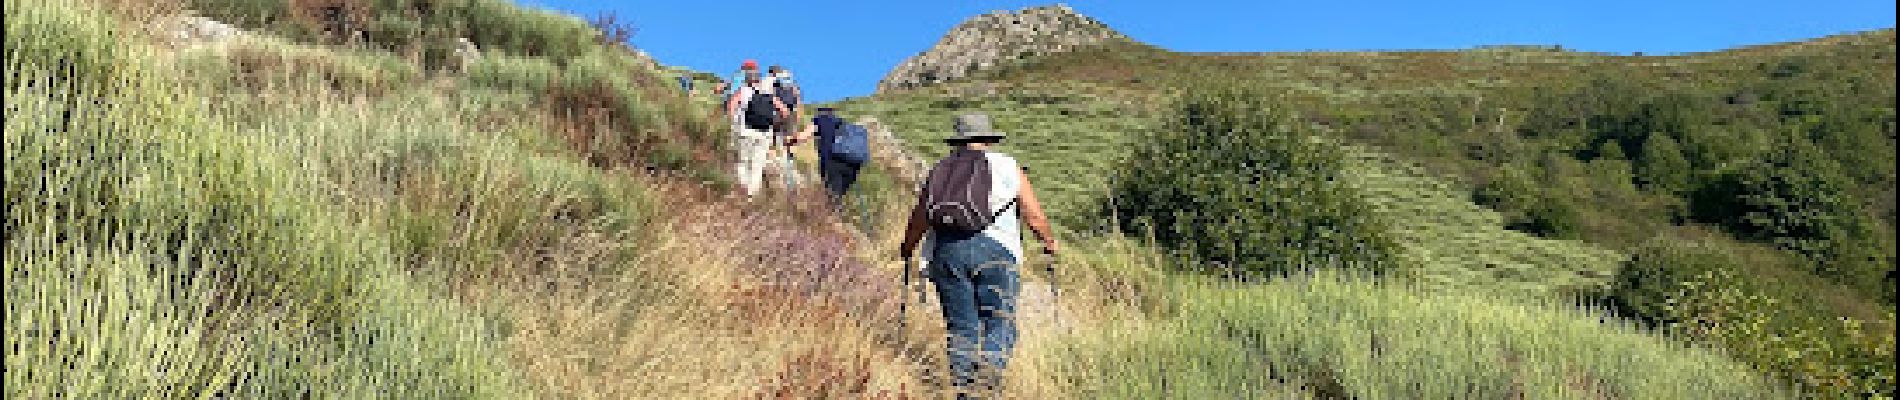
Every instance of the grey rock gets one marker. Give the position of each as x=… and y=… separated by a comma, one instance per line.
x=999, y=39
x=192, y=29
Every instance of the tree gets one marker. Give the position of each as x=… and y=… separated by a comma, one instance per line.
x=1663, y=168
x=1798, y=199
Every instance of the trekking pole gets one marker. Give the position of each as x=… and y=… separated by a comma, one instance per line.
x=791, y=169
x=1055, y=296
x=903, y=306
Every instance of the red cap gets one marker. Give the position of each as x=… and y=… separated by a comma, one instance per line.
x=749, y=64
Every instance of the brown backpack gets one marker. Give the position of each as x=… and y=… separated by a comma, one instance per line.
x=957, y=194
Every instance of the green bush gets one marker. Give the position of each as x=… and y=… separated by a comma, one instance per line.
x=1799, y=199
x=1710, y=292
x=1229, y=182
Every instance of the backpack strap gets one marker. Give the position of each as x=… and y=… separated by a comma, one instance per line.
x=1006, y=207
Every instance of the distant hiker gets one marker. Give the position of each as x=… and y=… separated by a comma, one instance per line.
x=969, y=205
x=787, y=91
x=842, y=149
x=745, y=69
x=754, y=111
x=686, y=84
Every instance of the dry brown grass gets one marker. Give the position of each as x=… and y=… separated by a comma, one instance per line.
x=699, y=318
x=758, y=300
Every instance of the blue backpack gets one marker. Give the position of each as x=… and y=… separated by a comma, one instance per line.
x=851, y=145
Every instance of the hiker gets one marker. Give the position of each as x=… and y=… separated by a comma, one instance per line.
x=970, y=204
x=746, y=68
x=842, y=149
x=787, y=91
x=686, y=84
x=753, y=111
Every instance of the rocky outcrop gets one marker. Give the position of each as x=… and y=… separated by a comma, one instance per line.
x=192, y=29
x=999, y=39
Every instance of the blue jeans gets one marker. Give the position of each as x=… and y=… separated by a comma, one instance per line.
x=977, y=282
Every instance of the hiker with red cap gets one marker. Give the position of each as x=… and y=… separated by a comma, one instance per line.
x=755, y=113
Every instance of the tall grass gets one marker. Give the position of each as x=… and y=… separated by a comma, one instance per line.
x=1330, y=336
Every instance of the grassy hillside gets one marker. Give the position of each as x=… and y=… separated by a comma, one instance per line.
x=1527, y=169
x=280, y=217
x=297, y=213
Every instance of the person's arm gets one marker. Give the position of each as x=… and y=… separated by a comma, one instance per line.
x=782, y=110
x=1032, y=213
x=732, y=105
x=914, y=230
x=806, y=133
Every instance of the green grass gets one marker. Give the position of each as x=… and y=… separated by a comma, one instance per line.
x=282, y=218
x=1333, y=337
x=1073, y=138
x=299, y=235
x=1496, y=169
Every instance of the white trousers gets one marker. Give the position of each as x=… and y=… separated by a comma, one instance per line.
x=755, y=153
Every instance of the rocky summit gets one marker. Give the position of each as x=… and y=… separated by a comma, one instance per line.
x=998, y=39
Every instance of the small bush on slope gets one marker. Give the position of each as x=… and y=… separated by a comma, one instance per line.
x=1229, y=183
x=1730, y=295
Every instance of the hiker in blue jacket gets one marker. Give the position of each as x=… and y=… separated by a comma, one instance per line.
x=837, y=166
x=970, y=205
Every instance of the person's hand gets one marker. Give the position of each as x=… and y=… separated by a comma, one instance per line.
x=1051, y=248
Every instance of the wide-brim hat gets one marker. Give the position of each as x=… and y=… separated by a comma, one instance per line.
x=974, y=127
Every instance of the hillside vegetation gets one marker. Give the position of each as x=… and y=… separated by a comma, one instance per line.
x=271, y=216
x=337, y=202
x=1709, y=196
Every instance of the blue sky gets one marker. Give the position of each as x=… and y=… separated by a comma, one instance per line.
x=841, y=49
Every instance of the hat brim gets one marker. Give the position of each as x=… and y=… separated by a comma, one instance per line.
x=991, y=137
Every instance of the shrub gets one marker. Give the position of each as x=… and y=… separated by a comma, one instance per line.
x=1228, y=182
x=1798, y=199
x=1714, y=293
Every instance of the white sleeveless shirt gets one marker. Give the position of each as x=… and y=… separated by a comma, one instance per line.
x=1006, y=181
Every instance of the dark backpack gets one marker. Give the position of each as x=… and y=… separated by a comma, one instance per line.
x=957, y=194
x=787, y=93
x=850, y=144
x=760, y=114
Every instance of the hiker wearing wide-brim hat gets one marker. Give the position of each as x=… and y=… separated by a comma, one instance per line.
x=974, y=128
x=972, y=205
